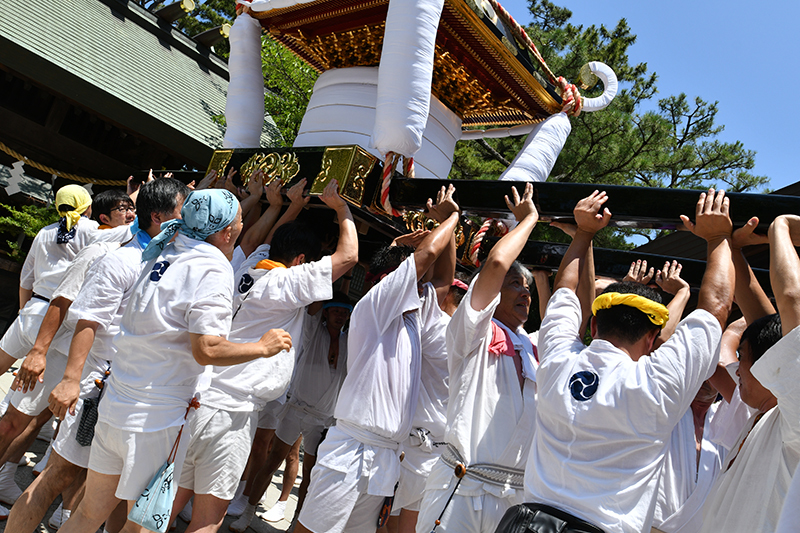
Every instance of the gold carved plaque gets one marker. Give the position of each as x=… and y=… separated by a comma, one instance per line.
x=350, y=166
x=219, y=161
x=416, y=220
x=275, y=166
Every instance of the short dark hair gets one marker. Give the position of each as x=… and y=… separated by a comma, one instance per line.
x=293, y=239
x=389, y=258
x=159, y=196
x=624, y=322
x=457, y=292
x=104, y=202
x=762, y=334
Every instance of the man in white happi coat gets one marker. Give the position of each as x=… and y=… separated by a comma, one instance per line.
x=92, y=322
x=176, y=321
x=276, y=297
x=606, y=411
x=492, y=404
x=358, y=463
x=767, y=453
x=41, y=369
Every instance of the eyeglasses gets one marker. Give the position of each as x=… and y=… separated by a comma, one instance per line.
x=124, y=208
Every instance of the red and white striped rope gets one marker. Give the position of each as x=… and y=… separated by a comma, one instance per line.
x=490, y=223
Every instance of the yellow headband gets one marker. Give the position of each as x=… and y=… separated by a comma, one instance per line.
x=76, y=197
x=657, y=313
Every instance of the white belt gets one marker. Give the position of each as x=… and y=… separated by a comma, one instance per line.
x=501, y=476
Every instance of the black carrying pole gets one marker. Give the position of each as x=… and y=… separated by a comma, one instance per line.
x=640, y=207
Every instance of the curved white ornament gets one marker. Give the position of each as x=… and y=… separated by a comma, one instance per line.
x=405, y=73
x=610, y=86
x=246, y=88
x=269, y=5
x=342, y=111
x=539, y=153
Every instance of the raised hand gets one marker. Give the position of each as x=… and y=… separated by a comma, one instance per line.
x=590, y=215
x=274, y=196
x=330, y=196
x=412, y=239
x=746, y=236
x=445, y=204
x=669, y=278
x=638, y=272
x=522, y=207
x=295, y=193
x=256, y=183
x=712, y=218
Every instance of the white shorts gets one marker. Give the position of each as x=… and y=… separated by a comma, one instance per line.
x=296, y=422
x=19, y=338
x=36, y=400
x=409, y=491
x=65, y=444
x=477, y=513
x=135, y=456
x=218, y=451
x=333, y=504
x=268, y=416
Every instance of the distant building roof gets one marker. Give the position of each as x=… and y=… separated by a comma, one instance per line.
x=123, y=63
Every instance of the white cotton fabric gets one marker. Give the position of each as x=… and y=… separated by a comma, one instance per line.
x=684, y=487
x=268, y=5
x=276, y=300
x=601, y=459
x=380, y=391
x=538, y=155
x=342, y=111
x=769, y=453
x=610, y=86
x=35, y=400
x=790, y=516
x=489, y=418
x=21, y=335
x=238, y=258
x=187, y=289
x=105, y=298
x=316, y=384
x=47, y=261
x=404, y=75
x=244, y=106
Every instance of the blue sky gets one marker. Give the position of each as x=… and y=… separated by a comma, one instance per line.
x=741, y=54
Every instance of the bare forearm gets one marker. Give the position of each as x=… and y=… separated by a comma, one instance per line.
x=258, y=231
x=82, y=341
x=346, y=254
x=750, y=297
x=784, y=274
x=434, y=244
x=543, y=291
x=716, y=291
x=24, y=296
x=50, y=323
x=444, y=270
x=586, y=290
x=573, y=262
x=675, y=308
x=209, y=350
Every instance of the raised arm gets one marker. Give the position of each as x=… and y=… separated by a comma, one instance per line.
x=721, y=379
x=437, y=240
x=256, y=234
x=542, y=282
x=713, y=223
x=444, y=267
x=298, y=202
x=586, y=284
x=255, y=189
x=750, y=297
x=591, y=217
x=346, y=255
x=505, y=252
x=784, y=269
x=670, y=281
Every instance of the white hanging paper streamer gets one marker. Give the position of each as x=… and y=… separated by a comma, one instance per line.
x=244, y=108
x=405, y=73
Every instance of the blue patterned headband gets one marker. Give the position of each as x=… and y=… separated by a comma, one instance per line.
x=204, y=213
